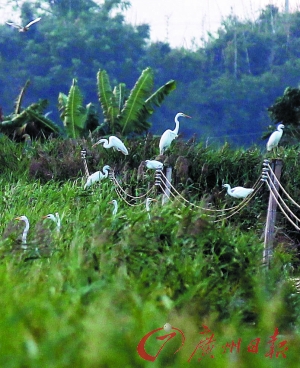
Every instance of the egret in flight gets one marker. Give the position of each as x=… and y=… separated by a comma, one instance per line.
x=25, y=231
x=113, y=142
x=55, y=219
x=24, y=28
x=169, y=135
x=153, y=164
x=275, y=138
x=238, y=192
x=97, y=176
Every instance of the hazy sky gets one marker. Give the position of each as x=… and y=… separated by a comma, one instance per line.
x=179, y=21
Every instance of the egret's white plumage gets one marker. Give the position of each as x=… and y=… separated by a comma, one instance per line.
x=55, y=219
x=23, y=28
x=115, y=204
x=153, y=164
x=275, y=138
x=148, y=201
x=25, y=231
x=97, y=176
x=113, y=142
x=169, y=135
x=238, y=192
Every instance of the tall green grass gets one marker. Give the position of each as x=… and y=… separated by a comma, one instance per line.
x=86, y=297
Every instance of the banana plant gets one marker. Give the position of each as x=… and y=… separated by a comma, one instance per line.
x=30, y=120
x=78, y=120
x=130, y=113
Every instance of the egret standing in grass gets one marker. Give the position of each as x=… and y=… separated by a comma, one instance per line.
x=275, y=138
x=113, y=142
x=24, y=28
x=55, y=219
x=169, y=135
x=25, y=231
x=115, y=204
x=238, y=192
x=97, y=176
x=148, y=201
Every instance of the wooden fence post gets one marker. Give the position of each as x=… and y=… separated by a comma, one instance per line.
x=271, y=214
x=167, y=191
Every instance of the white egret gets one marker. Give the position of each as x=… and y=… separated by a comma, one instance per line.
x=275, y=138
x=24, y=28
x=55, y=219
x=25, y=231
x=115, y=204
x=153, y=164
x=238, y=192
x=148, y=201
x=169, y=135
x=97, y=176
x=113, y=142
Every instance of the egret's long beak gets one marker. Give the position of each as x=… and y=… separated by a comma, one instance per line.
x=18, y=218
x=95, y=144
x=43, y=217
x=187, y=116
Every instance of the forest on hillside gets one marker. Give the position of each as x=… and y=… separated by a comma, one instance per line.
x=226, y=84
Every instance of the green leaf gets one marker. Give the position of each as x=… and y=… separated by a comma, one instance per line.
x=43, y=121
x=107, y=100
x=62, y=102
x=131, y=120
x=159, y=95
x=75, y=114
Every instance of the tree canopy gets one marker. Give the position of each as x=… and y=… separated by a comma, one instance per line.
x=226, y=83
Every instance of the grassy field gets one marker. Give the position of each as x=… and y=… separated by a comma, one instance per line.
x=86, y=297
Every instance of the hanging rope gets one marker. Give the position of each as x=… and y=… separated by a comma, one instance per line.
x=115, y=181
x=282, y=188
x=240, y=205
x=279, y=205
x=274, y=189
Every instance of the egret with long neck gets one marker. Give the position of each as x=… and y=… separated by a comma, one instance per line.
x=55, y=219
x=97, y=176
x=25, y=231
x=169, y=135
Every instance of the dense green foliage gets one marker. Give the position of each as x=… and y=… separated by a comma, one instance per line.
x=87, y=296
x=226, y=83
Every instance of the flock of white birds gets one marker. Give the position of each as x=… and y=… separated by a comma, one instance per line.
x=165, y=141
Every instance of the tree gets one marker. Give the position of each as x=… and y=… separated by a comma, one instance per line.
x=286, y=110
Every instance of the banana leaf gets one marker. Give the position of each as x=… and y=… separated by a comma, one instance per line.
x=62, y=102
x=19, y=99
x=75, y=114
x=120, y=95
x=130, y=119
x=107, y=100
x=92, y=120
x=43, y=122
